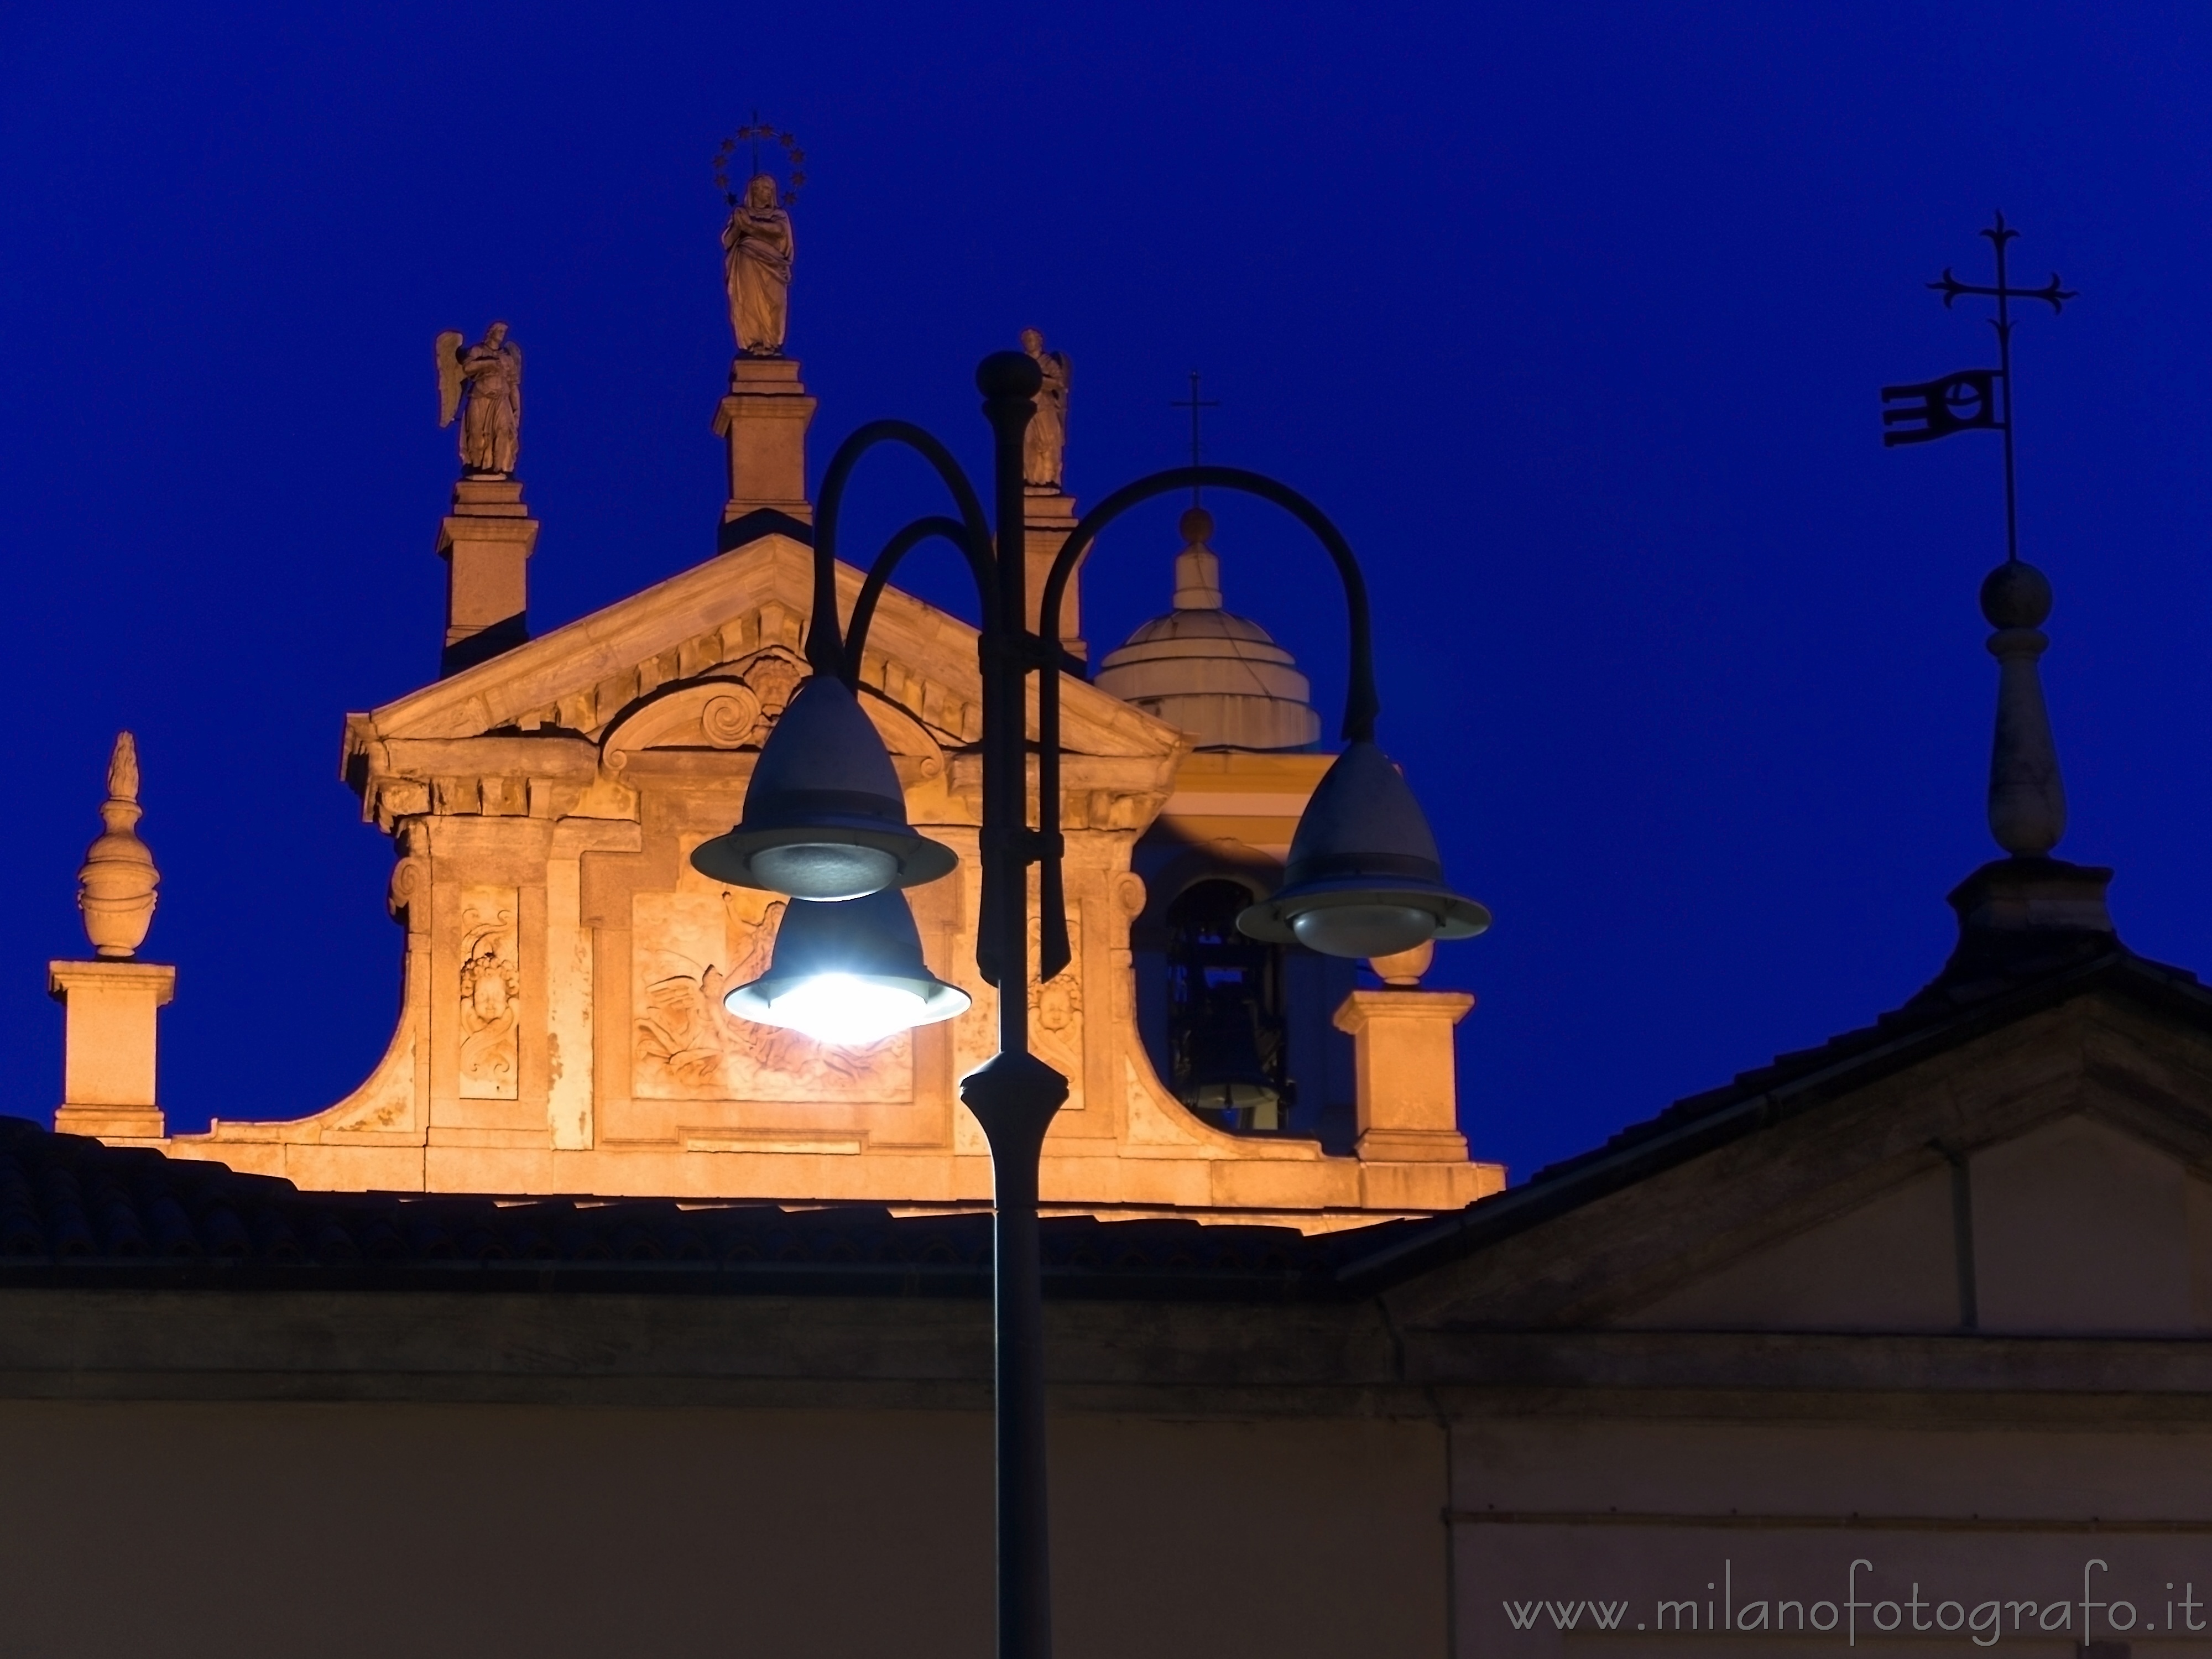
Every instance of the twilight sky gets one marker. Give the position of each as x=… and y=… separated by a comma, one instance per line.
x=1573, y=316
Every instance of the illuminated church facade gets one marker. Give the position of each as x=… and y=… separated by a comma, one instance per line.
x=562, y=1027
x=595, y=1321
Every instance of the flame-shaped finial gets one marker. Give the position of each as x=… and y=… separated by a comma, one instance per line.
x=115, y=887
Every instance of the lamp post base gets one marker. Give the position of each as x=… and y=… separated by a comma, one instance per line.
x=1014, y=1097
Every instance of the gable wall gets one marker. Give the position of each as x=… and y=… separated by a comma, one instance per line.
x=1888, y=1265
x=1717, y=1388
x=2078, y=1227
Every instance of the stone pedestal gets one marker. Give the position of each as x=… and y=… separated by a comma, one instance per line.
x=1049, y=519
x=763, y=422
x=1407, y=1088
x=107, y=1047
x=486, y=541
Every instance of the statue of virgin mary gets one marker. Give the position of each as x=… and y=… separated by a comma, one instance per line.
x=757, y=250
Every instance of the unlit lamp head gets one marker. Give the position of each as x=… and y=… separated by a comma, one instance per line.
x=1364, y=879
x=848, y=972
x=826, y=871
x=825, y=816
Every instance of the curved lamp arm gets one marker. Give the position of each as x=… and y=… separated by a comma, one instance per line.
x=825, y=653
x=879, y=575
x=828, y=654
x=1360, y=703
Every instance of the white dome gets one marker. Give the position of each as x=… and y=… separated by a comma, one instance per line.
x=1217, y=674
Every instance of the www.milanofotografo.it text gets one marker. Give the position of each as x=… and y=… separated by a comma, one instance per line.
x=2093, y=1613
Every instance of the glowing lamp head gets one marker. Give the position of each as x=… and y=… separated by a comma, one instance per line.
x=1363, y=877
x=825, y=816
x=848, y=1011
x=848, y=972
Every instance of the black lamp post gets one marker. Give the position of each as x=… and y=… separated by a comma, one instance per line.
x=825, y=824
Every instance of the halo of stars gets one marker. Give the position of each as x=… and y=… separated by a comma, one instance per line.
x=756, y=132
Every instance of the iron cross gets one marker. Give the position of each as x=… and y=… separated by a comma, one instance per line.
x=1194, y=403
x=1972, y=399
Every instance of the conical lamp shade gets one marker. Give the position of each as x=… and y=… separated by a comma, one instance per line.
x=848, y=972
x=825, y=816
x=1364, y=879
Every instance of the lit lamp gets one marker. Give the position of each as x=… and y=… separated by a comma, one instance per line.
x=825, y=825
x=848, y=972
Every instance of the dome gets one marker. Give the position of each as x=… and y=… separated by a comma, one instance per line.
x=1215, y=674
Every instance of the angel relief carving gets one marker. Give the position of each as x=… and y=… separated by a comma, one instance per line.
x=491, y=980
x=1056, y=1011
x=1055, y=1017
x=691, y=947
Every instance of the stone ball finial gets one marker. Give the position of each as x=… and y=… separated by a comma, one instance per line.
x=2015, y=595
x=115, y=887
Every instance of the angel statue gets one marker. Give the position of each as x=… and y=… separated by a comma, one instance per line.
x=757, y=252
x=1044, y=445
x=482, y=384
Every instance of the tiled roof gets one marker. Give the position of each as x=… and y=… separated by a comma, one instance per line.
x=74, y=1209
x=1982, y=990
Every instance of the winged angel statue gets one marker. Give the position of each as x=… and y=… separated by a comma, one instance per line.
x=482, y=385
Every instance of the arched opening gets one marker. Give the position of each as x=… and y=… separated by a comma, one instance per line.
x=1228, y=1055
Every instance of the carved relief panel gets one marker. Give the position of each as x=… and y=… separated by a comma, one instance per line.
x=490, y=987
x=1056, y=1011
x=1055, y=1015
x=691, y=947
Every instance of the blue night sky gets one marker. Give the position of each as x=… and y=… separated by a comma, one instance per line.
x=1573, y=317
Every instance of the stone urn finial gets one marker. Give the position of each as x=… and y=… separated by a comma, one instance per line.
x=115, y=888
x=1403, y=971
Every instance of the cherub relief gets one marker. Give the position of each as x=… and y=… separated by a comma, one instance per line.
x=489, y=982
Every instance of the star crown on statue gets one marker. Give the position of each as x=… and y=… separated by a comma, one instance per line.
x=754, y=133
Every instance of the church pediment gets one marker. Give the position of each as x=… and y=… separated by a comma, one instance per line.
x=2047, y=1175
x=707, y=659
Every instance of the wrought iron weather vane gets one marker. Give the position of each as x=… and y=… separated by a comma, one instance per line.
x=1972, y=399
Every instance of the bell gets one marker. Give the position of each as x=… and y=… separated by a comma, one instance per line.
x=1226, y=1073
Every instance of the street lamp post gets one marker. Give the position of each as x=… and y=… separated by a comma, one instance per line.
x=825, y=825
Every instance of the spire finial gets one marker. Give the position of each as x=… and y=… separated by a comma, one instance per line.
x=115, y=887
x=1197, y=571
x=2027, y=798
x=2027, y=802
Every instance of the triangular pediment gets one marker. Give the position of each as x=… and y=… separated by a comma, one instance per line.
x=588, y=676
x=2048, y=1173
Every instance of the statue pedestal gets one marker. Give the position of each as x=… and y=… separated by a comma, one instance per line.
x=763, y=420
x=1048, y=518
x=1408, y=1094
x=486, y=541
x=107, y=1047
